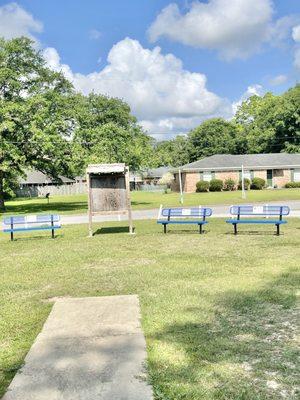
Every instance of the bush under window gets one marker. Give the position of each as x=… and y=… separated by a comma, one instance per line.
x=246, y=184
x=229, y=185
x=257, y=183
x=292, y=185
x=216, y=185
x=202, y=186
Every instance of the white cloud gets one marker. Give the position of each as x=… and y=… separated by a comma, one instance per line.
x=234, y=28
x=296, y=37
x=95, y=34
x=297, y=58
x=161, y=93
x=278, y=80
x=252, y=90
x=15, y=22
x=296, y=33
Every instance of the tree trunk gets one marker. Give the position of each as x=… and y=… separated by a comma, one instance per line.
x=2, y=205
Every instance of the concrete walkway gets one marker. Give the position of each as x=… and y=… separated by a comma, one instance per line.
x=218, y=211
x=89, y=349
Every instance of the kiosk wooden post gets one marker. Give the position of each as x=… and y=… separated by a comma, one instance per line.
x=108, y=192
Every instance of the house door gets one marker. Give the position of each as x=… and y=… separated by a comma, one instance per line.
x=270, y=178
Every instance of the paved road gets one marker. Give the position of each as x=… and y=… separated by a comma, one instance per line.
x=90, y=348
x=218, y=211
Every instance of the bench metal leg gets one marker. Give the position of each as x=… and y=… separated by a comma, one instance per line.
x=165, y=228
x=278, y=230
x=235, y=229
x=200, y=229
x=11, y=236
x=52, y=230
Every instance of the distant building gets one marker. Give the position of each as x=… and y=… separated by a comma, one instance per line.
x=36, y=183
x=152, y=176
x=276, y=169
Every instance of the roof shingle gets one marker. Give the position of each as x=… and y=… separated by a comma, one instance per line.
x=251, y=161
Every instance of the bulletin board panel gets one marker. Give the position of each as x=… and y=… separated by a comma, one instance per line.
x=108, y=191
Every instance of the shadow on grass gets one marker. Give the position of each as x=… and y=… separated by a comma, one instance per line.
x=111, y=229
x=254, y=233
x=246, y=352
x=35, y=237
x=38, y=207
x=141, y=203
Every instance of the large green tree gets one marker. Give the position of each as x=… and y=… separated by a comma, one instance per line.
x=107, y=132
x=36, y=116
x=174, y=152
x=271, y=124
x=215, y=136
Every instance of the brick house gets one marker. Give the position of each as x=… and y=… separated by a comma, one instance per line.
x=276, y=169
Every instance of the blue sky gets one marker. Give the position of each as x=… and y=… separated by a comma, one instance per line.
x=233, y=50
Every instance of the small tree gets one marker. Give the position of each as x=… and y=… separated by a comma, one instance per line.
x=166, y=179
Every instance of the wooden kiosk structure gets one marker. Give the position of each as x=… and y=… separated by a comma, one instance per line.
x=108, y=191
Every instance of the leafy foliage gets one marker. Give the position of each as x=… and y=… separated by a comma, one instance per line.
x=257, y=183
x=271, y=123
x=229, y=184
x=202, y=186
x=35, y=115
x=292, y=185
x=175, y=152
x=247, y=183
x=214, y=136
x=215, y=185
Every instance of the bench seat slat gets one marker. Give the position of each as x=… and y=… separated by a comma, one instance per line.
x=164, y=221
x=36, y=219
x=255, y=221
x=32, y=228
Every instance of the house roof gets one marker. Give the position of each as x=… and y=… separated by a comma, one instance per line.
x=156, y=172
x=38, y=178
x=250, y=161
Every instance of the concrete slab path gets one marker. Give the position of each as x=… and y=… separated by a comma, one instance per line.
x=89, y=349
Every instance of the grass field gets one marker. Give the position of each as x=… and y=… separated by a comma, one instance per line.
x=218, y=311
x=146, y=200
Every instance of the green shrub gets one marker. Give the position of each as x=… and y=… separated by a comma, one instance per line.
x=292, y=185
x=246, y=184
x=216, y=185
x=229, y=185
x=202, y=186
x=257, y=183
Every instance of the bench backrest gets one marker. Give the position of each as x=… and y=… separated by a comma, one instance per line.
x=186, y=212
x=31, y=219
x=264, y=210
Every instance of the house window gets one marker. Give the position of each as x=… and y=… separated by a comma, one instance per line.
x=296, y=175
x=207, y=176
x=278, y=172
x=247, y=175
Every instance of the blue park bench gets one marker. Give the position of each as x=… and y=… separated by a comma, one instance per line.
x=263, y=215
x=180, y=215
x=31, y=223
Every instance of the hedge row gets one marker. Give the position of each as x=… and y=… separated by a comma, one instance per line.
x=217, y=185
x=292, y=185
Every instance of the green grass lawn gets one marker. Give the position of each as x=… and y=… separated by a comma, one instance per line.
x=77, y=204
x=218, y=311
